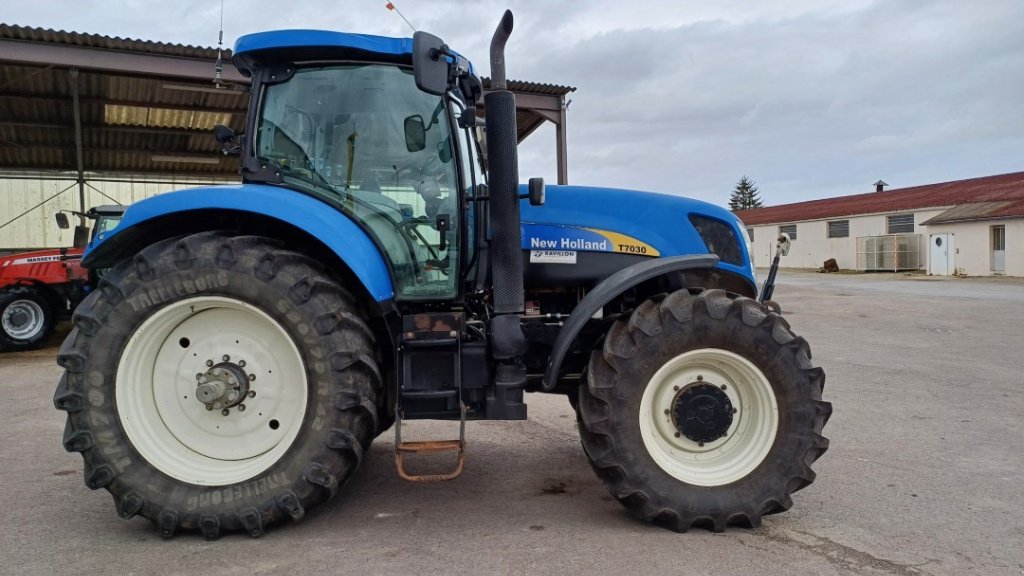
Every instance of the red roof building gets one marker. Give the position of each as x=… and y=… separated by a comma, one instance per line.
x=973, y=227
x=980, y=198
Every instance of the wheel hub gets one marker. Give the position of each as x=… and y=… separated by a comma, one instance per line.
x=702, y=412
x=23, y=319
x=224, y=385
x=18, y=318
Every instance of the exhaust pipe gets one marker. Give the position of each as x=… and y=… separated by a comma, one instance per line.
x=498, y=41
x=508, y=345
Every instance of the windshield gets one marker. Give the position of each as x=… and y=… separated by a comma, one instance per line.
x=107, y=223
x=365, y=137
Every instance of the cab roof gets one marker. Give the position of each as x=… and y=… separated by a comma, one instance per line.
x=299, y=44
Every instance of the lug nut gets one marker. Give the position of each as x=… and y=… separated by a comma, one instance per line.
x=252, y=394
x=700, y=378
x=252, y=377
x=667, y=411
x=723, y=386
x=701, y=444
x=241, y=407
x=676, y=388
x=199, y=375
x=241, y=363
x=225, y=412
x=208, y=407
x=226, y=358
x=209, y=363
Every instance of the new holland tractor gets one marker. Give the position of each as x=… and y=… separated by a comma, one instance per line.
x=380, y=263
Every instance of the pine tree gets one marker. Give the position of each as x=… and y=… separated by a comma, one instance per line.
x=744, y=196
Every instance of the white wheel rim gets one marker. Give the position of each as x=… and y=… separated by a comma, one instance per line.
x=23, y=319
x=156, y=391
x=749, y=437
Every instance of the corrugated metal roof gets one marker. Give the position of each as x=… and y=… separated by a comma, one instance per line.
x=51, y=36
x=1005, y=190
x=533, y=87
x=978, y=211
x=128, y=116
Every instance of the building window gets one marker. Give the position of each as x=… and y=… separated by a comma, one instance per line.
x=901, y=224
x=788, y=229
x=750, y=234
x=999, y=237
x=839, y=229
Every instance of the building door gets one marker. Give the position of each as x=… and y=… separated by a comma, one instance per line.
x=941, y=256
x=999, y=249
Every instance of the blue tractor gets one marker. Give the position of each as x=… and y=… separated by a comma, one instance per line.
x=380, y=263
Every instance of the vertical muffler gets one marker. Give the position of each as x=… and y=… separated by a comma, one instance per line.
x=507, y=341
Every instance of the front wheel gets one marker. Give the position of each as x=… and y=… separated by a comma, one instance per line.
x=26, y=318
x=219, y=384
x=703, y=408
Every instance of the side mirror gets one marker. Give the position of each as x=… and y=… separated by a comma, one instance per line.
x=535, y=192
x=429, y=64
x=415, y=133
x=62, y=220
x=81, y=236
x=227, y=138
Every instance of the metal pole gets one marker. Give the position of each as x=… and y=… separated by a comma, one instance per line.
x=563, y=149
x=79, y=161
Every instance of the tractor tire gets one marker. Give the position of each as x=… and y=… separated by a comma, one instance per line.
x=218, y=383
x=703, y=409
x=26, y=318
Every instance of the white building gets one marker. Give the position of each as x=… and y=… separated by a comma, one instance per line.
x=973, y=227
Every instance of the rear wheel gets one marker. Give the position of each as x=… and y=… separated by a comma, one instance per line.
x=219, y=384
x=703, y=409
x=26, y=318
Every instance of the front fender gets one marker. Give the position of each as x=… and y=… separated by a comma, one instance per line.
x=323, y=222
x=608, y=289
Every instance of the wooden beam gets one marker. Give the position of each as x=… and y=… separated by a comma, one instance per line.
x=116, y=61
x=110, y=128
x=63, y=99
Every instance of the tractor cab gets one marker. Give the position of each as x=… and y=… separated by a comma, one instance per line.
x=352, y=127
x=105, y=218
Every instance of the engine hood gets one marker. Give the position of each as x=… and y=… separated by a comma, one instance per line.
x=42, y=267
x=659, y=221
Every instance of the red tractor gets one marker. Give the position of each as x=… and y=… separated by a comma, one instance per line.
x=37, y=288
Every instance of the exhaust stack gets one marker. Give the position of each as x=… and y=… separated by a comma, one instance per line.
x=507, y=341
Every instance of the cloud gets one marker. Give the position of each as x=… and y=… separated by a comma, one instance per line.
x=807, y=99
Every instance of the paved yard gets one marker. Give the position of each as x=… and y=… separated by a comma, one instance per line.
x=924, y=476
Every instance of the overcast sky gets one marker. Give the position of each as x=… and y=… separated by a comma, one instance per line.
x=809, y=99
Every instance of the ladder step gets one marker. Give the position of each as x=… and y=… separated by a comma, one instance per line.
x=429, y=394
x=430, y=447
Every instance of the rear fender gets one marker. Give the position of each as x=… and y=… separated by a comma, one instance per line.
x=610, y=288
x=175, y=213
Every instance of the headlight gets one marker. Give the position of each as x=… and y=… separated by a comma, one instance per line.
x=719, y=237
